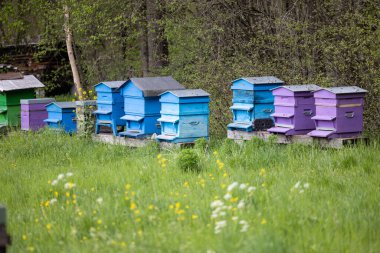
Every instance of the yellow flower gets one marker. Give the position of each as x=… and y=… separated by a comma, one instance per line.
x=171, y=206
x=48, y=226
x=136, y=212
x=215, y=153
x=74, y=196
x=80, y=89
x=73, y=100
x=159, y=156
x=263, y=221
x=84, y=92
x=56, y=194
x=49, y=182
x=36, y=220
x=74, y=201
x=80, y=213
x=263, y=184
x=177, y=205
x=140, y=233
x=151, y=207
x=186, y=184
x=80, y=97
x=262, y=172
x=194, y=216
x=123, y=244
x=181, y=218
x=138, y=219
x=47, y=203
x=95, y=97
x=75, y=94
x=225, y=174
x=187, y=206
x=99, y=221
x=133, y=206
x=179, y=211
x=68, y=194
x=127, y=186
x=233, y=200
x=24, y=237
x=90, y=92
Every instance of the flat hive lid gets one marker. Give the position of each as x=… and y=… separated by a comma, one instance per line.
x=261, y=80
x=188, y=93
x=37, y=101
x=112, y=84
x=28, y=82
x=154, y=86
x=86, y=103
x=64, y=105
x=300, y=87
x=346, y=90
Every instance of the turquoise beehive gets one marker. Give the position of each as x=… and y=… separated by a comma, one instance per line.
x=253, y=103
x=61, y=116
x=184, y=115
x=142, y=105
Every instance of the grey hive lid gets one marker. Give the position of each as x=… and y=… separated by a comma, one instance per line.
x=346, y=90
x=261, y=80
x=37, y=101
x=188, y=93
x=86, y=103
x=112, y=84
x=64, y=105
x=154, y=86
x=300, y=87
x=28, y=82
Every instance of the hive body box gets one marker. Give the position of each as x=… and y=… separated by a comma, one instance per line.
x=294, y=108
x=184, y=115
x=253, y=103
x=142, y=105
x=339, y=112
x=110, y=106
x=61, y=116
x=33, y=113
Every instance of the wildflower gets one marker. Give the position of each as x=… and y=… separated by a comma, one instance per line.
x=56, y=194
x=127, y=187
x=262, y=172
x=151, y=207
x=219, y=225
x=69, y=185
x=53, y=201
x=306, y=185
x=180, y=211
x=136, y=212
x=301, y=191
x=80, y=97
x=123, y=244
x=61, y=176
x=215, y=153
x=67, y=194
x=54, y=182
x=225, y=174
x=24, y=237
x=241, y=204
x=232, y=186
x=245, y=226
x=90, y=92
x=47, y=203
x=263, y=222
x=69, y=174
x=186, y=184
x=74, y=196
x=194, y=216
x=36, y=220
x=138, y=219
x=95, y=97
x=297, y=185
x=75, y=94
x=233, y=200
x=99, y=221
x=159, y=156
x=263, y=184
x=227, y=196
x=48, y=226
x=214, y=215
x=177, y=205
x=30, y=248
x=251, y=189
x=84, y=92
x=235, y=218
x=243, y=186
x=133, y=206
x=99, y=200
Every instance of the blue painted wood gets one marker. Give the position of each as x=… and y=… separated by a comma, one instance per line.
x=184, y=118
x=61, y=116
x=252, y=100
x=110, y=104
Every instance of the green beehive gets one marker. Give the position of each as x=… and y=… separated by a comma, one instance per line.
x=13, y=88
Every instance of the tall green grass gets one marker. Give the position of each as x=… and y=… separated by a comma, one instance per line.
x=130, y=200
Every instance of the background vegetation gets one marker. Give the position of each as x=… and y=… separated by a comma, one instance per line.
x=206, y=44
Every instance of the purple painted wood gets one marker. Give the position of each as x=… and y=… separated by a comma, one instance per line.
x=339, y=112
x=33, y=113
x=294, y=108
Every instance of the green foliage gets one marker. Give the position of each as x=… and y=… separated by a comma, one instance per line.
x=188, y=160
x=201, y=144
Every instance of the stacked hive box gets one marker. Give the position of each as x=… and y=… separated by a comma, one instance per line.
x=11, y=92
x=294, y=108
x=110, y=106
x=339, y=112
x=253, y=103
x=33, y=113
x=142, y=106
x=184, y=115
x=61, y=116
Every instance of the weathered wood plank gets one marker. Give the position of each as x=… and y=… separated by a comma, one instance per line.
x=117, y=140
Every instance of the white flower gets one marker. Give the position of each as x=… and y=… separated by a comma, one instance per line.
x=306, y=185
x=297, y=185
x=69, y=174
x=53, y=201
x=54, y=182
x=251, y=189
x=243, y=222
x=232, y=186
x=99, y=200
x=235, y=218
x=241, y=204
x=61, y=176
x=245, y=226
x=69, y=185
x=216, y=203
x=214, y=215
x=222, y=213
x=227, y=196
x=243, y=186
x=301, y=191
x=221, y=224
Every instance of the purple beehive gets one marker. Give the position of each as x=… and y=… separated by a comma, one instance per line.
x=33, y=113
x=294, y=107
x=339, y=112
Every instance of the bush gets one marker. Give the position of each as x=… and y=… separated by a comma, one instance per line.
x=188, y=160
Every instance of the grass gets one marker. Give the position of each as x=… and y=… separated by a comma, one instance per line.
x=150, y=205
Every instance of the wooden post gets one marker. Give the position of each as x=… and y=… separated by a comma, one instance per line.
x=4, y=237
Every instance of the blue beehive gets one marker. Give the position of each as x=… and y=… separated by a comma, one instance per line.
x=184, y=115
x=61, y=115
x=110, y=105
x=142, y=105
x=253, y=103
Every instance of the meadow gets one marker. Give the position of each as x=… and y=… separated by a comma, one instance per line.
x=67, y=194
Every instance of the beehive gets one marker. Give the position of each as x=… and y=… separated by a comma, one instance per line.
x=142, y=106
x=110, y=106
x=61, y=116
x=339, y=112
x=253, y=103
x=294, y=108
x=184, y=115
x=33, y=113
x=11, y=92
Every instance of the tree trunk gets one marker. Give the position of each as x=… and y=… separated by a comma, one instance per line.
x=70, y=51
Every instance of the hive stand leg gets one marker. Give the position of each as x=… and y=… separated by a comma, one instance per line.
x=114, y=128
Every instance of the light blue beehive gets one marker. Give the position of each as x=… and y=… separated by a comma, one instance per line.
x=184, y=115
x=110, y=106
x=142, y=105
x=253, y=103
x=61, y=116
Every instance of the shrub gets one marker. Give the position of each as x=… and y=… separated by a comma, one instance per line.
x=188, y=160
